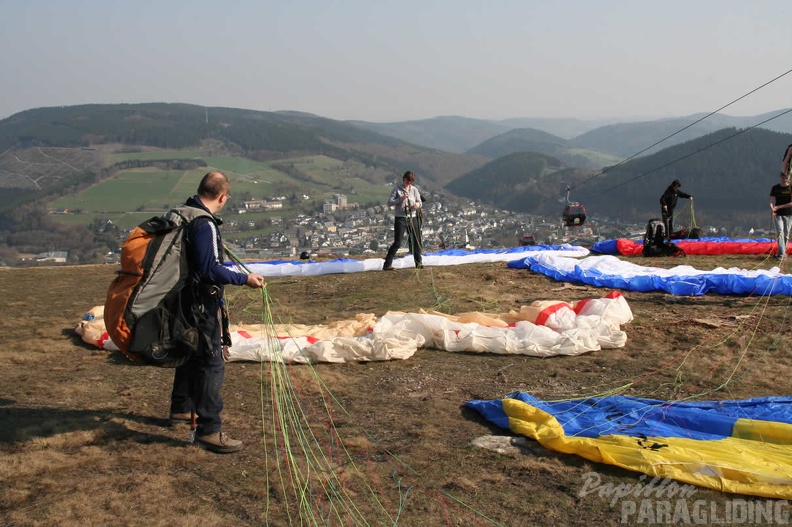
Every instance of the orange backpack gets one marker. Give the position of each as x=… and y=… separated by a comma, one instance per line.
x=148, y=309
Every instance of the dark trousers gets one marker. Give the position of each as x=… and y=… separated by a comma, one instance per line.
x=668, y=221
x=196, y=387
x=412, y=226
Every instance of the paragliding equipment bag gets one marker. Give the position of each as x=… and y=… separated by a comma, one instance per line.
x=654, y=241
x=686, y=234
x=693, y=233
x=149, y=306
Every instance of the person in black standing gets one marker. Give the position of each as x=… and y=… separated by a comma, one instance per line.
x=781, y=205
x=668, y=203
x=408, y=217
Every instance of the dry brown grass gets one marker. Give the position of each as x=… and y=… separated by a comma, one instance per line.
x=84, y=438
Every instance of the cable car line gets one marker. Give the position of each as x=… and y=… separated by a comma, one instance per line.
x=688, y=126
x=742, y=131
x=607, y=169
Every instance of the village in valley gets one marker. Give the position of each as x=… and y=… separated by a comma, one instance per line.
x=342, y=229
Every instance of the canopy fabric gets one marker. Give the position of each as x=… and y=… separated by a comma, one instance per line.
x=701, y=246
x=684, y=280
x=732, y=446
x=542, y=329
x=442, y=258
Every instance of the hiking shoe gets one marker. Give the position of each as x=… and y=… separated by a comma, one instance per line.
x=388, y=268
x=183, y=418
x=419, y=266
x=219, y=442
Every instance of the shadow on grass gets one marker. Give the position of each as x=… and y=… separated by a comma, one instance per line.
x=113, y=357
x=22, y=424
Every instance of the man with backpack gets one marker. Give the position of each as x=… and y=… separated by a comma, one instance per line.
x=668, y=203
x=197, y=382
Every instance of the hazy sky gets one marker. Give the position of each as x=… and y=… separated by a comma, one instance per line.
x=401, y=60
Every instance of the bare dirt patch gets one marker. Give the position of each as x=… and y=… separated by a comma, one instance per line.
x=84, y=438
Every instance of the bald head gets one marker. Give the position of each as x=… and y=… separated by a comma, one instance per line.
x=213, y=185
x=213, y=191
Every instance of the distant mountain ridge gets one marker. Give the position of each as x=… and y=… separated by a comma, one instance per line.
x=628, y=139
x=452, y=134
x=608, y=136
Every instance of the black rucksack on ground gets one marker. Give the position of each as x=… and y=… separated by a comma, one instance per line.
x=654, y=241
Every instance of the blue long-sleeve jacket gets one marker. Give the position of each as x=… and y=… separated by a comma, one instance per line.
x=206, y=250
x=205, y=256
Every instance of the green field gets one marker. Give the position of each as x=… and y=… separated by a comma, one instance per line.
x=246, y=175
x=128, y=190
x=159, y=155
x=134, y=195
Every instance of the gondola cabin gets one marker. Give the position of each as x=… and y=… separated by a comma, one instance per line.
x=528, y=239
x=574, y=215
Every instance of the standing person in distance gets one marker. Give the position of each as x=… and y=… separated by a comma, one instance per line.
x=197, y=382
x=668, y=203
x=781, y=205
x=408, y=217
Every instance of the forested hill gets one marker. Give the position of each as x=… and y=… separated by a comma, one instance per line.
x=729, y=172
x=520, y=181
x=253, y=134
x=520, y=140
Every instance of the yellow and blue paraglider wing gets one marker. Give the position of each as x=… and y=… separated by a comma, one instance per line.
x=740, y=447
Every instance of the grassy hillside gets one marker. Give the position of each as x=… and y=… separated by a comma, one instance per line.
x=126, y=162
x=130, y=195
x=262, y=136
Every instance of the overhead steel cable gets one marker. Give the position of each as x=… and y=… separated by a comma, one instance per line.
x=742, y=131
x=608, y=169
x=666, y=138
